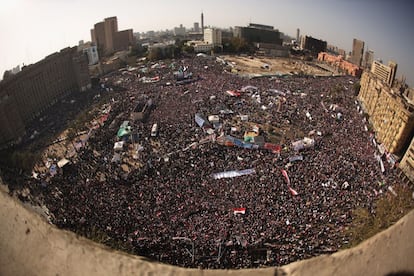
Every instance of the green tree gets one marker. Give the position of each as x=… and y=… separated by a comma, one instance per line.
x=389, y=209
x=137, y=50
x=155, y=54
x=237, y=45
x=357, y=87
x=188, y=49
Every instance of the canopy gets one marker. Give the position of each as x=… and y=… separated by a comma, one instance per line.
x=62, y=162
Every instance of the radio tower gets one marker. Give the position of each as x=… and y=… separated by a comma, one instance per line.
x=202, y=25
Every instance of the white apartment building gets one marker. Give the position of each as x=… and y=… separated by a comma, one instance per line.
x=212, y=36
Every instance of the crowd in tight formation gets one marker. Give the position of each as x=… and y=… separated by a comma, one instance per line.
x=170, y=208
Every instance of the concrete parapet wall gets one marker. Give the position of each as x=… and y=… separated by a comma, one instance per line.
x=31, y=246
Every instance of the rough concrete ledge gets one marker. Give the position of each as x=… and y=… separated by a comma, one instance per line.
x=31, y=246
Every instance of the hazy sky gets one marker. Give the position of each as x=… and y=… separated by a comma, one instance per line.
x=33, y=29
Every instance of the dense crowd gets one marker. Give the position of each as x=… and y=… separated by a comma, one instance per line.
x=170, y=208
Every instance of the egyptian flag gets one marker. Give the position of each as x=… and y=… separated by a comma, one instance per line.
x=286, y=176
x=233, y=93
x=239, y=211
x=293, y=192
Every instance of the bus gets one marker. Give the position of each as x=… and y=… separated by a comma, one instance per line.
x=154, y=130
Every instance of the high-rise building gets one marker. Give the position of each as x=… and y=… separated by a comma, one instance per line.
x=108, y=39
x=315, y=46
x=383, y=72
x=258, y=33
x=196, y=27
x=368, y=59
x=179, y=31
x=111, y=27
x=297, y=35
x=212, y=36
x=98, y=36
x=342, y=53
x=357, y=51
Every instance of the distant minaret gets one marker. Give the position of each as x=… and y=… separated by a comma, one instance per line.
x=202, y=25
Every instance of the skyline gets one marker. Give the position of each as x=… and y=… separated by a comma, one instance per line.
x=28, y=35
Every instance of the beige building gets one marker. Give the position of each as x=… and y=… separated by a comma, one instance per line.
x=407, y=163
x=357, y=51
x=390, y=114
x=212, y=36
x=108, y=39
x=383, y=72
x=389, y=106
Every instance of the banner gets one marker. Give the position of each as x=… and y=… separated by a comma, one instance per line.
x=295, y=158
x=293, y=192
x=286, y=176
x=231, y=174
x=273, y=147
x=239, y=211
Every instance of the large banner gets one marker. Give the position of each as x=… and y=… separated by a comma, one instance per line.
x=286, y=176
x=231, y=174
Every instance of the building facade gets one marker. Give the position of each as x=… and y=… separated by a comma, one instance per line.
x=111, y=28
x=98, y=35
x=123, y=40
x=357, y=51
x=212, y=36
x=108, y=39
x=340, y=64
x=91, y=51
x=383, y=72
x=200, y=46
x=196, y=27
x=368, y=59
x=179, y=31
x=407, y=162
x=390, y=113
x=30, y=92
x=315, y=46
x=272, y=50
x=258, y=33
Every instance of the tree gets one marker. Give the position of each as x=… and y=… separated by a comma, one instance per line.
x=188, y=49
x=357, y=87
x=155, y=54
x=237, y=45
x=24, y=160
x=71, y=135
x=389, y=209
x=137, y=50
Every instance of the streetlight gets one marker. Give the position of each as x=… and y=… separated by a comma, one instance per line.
x=192, y=245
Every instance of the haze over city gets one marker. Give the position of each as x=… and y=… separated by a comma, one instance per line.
x=32, y=30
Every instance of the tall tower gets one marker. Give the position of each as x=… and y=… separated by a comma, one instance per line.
x=369, y=59
x=202, y=25
x=357, y=51
x=111, y=27
x=297, y=35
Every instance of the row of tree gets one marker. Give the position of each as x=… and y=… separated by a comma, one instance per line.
x=233, y=45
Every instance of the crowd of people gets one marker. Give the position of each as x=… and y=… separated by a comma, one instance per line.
x=170, y=208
